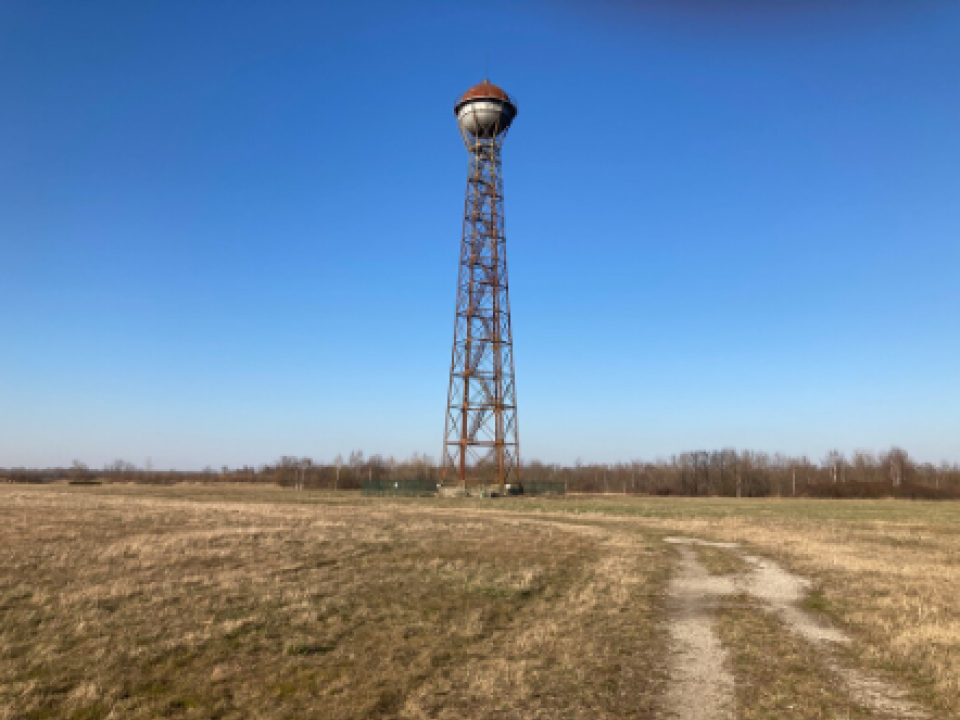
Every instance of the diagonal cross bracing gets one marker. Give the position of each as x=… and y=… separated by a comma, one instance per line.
x=481, y=438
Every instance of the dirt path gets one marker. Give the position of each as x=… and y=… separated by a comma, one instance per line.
x=701, y=687
x=782, y=591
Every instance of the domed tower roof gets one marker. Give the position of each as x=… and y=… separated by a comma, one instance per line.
x=485, y=89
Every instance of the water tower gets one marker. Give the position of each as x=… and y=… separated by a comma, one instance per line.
x=481, y=447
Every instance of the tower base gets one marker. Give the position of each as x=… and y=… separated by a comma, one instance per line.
x=490, y=491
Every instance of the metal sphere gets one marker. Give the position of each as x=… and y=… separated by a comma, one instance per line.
x=485, y=111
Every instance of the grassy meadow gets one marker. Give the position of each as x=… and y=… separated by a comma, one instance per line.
x=124, y=601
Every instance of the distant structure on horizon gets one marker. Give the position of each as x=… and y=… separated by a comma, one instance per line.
x=481, y=447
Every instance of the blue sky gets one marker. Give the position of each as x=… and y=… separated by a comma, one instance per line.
x=229, y=231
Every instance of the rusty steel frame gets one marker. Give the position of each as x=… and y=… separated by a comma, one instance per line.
x=482, y=436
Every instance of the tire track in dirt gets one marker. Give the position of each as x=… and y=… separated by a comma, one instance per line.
x=697, y=645
x=781, y=593
x=701, y=688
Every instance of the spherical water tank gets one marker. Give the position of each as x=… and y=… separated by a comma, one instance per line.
x=485, y=111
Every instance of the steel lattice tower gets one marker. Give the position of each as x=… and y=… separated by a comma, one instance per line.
x=481, y=440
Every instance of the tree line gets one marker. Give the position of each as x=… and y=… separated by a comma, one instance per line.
x=727, y=472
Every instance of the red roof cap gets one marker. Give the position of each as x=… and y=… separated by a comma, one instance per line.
x=486, y=89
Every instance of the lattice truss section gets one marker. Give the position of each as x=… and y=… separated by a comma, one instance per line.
x=481, y=443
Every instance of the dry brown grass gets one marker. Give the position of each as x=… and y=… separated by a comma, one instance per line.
x=193, y=602
x=130, y=603
x=719, y=561
x=887, y=571
x=778, y=675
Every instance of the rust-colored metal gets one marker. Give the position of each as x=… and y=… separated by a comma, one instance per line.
x=485, y=89
x=481, y=439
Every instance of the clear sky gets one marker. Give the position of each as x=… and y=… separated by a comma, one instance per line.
x=229, y=230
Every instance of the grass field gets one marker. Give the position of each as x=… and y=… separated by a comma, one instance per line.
x=229, y=602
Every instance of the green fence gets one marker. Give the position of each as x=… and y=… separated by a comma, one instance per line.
x=408, y=487
x=545, y=487
x=422, y=487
